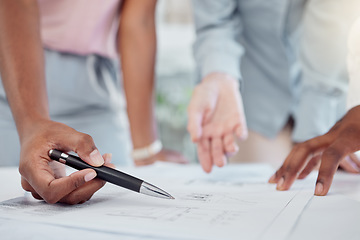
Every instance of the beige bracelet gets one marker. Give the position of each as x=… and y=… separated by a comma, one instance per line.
x=148, y=151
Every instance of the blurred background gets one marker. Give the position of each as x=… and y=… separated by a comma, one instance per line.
x=175, y=74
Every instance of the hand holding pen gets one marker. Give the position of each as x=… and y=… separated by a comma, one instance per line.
x=111, y=175
x=46, y=179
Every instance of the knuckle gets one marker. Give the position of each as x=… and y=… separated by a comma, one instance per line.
x=291, y=169
x=304, y=146
x=84, y=141
x=76, y=183
x=332, y=153
x=86, y=138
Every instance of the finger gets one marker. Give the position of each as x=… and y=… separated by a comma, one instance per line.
x=53, y=191
x=195, y=125
x=229, y=144
x=299, y=155
x=348, y=165
x=83, y=193
x=310, y=166
x=296, y=161
x=203, y=149
x=107, y=158
x=217, y=152
x=110, y=165
x=293, y=167
x=83, y=145
x=196, y=114
x=329, y=164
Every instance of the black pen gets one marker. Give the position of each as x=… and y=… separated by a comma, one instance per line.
x=111, y=175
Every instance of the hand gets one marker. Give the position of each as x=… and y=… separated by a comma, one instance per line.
x=165, y=156
x=215, y=115
x=46, y=179
x=328, y=150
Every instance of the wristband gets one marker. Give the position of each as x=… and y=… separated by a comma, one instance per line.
x=148, y=151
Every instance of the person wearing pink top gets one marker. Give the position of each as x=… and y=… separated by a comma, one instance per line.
x=60, y=89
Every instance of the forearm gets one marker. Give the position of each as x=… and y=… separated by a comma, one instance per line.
x=22, y=62
x=137, y=46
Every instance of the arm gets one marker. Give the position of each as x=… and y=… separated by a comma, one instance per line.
x=216, y=111
x=22, y=72
x=137, y=46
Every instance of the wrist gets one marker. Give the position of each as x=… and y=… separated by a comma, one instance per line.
x=25, y=126
x=143, y=133
x=220, y=76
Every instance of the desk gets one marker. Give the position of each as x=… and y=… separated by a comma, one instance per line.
x=217, y=206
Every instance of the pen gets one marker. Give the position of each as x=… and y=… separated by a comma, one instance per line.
x=111, y=175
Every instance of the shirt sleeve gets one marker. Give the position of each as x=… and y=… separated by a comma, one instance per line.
x=218, y=27
x=323, y=58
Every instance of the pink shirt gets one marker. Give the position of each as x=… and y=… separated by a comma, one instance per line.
x=80, y=26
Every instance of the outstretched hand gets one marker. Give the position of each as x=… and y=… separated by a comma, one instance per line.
x=216, y=118
x=329, y=150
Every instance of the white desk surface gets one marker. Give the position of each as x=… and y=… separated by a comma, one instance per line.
x=336, y=216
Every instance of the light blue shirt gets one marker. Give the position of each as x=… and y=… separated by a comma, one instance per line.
x=257, y=42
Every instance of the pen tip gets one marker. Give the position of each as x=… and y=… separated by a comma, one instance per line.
x=151, y=190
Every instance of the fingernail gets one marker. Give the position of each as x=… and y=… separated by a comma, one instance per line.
x=280, y=184
x=272, y=179
x=319, y=189
x=90, y=176
x=96, y=158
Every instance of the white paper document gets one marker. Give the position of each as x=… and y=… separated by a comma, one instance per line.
x=232, y=203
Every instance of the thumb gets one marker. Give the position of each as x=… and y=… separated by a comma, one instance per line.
x=63, y=186
x=198, y=109
x=195, y=124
